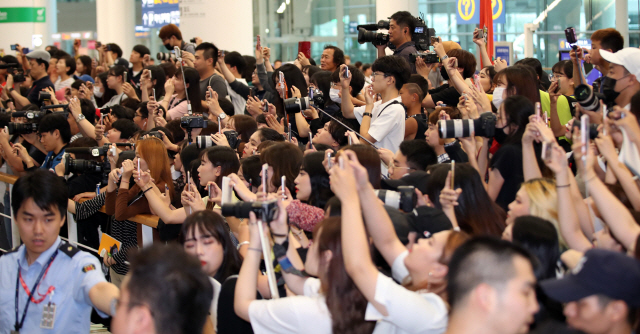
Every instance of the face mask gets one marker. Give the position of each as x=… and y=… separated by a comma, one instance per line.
x=497, y=96
x=608, y=89
x=443, y=72
x=499, y=135
x=97, y=92
x=168, y=46
x=333, y=94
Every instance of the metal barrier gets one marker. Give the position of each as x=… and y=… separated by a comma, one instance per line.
x=147, y=222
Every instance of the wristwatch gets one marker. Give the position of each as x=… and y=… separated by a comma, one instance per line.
x=444, y=57
x=366, y=114
x=79, y=118
x=222, y=116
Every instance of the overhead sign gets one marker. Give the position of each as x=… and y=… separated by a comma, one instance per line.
x=23, y=14
x=468, y=11
x=157, y=13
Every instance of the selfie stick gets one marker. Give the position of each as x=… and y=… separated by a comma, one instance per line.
x=184, y=80
x=268, y=262
x=348, y=128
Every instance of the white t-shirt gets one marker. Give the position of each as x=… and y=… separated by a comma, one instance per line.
x=299, y=314
x=387, y=126
x=239, y=103
x=59, y=84
x=409, y=311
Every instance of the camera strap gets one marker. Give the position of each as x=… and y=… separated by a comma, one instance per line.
x=171, y=105
x=391, y=103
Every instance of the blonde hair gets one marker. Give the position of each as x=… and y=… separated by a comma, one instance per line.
x=543, y=202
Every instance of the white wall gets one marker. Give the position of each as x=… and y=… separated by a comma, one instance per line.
x=22, y=33
x=226, y=23
x=116, y=23
x=386, y=8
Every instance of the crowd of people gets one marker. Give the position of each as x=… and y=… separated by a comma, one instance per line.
x=402, y=196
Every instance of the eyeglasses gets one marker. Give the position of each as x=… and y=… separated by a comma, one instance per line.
x=378, y=73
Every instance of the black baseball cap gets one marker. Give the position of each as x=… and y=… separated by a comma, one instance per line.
x=427, y=221
x=418, y=179
x=599, y=272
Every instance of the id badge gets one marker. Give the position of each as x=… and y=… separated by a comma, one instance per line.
x=48, y=316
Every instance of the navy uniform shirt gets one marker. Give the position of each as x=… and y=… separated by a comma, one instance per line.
x=37, y=87
x=404, y=51
x=73, y=273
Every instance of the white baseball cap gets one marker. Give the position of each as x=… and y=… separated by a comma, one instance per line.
x=627, y=57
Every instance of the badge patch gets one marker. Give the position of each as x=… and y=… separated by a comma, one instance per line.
x=88, y=268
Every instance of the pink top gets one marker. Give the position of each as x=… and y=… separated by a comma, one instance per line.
x=177, y=108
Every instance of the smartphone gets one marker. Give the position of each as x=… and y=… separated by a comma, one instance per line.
x=154, y=94
x=265, y=169
x=14, y=47
x=434, y=39
x=283, y=183
x=101, y=119
x=124, y=77
x=25, y=51
x=113, y=151
x=453, y=174
x=538, y=115
x=347, y=75
x=209, y=190
x=283, y=85
x=476, y=81
x=188, y=181
x=341, y=162
x=77, y=41
x=350, y=140
x=138, y=168
x=289, y=131
x=485, y=33
x=329, y=162
x=584, y=133
x=604, y=118
x=310, y=140
x=98, y=44
x=227, y=190
x=219, y=124
x=258, y=44
x=547, y=152
x=305, y=48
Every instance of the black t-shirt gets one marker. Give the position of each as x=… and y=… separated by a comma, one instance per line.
x=228, y=321
x=508, y=161
x=422, y=125
x=37, y=87
x=456, y=153
x=445, y=93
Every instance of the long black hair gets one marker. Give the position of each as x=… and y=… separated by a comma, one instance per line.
x=292, y=77
x=108, y=92
x=476, y=213
x=539, y=237
x=212, y=223
x=192, y=79
x=517, y=110
x=319, y=178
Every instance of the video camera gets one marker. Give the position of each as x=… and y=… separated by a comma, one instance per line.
x=421, y=35
x=17, y=73
x=266, y=211
x=295, y=105
x=205, y=141
x=428, y=57
x=79, y=166
x=404, y=199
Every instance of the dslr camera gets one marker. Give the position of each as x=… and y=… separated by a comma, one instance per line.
x=266, y=211
x=79, y=166
x=590, y=100
x=404, y=199
x=428, y=57
x=593, y=129
x=17, y=73
x=193, y=122
x=484, y=126
x=295, y=105
x=205, y=141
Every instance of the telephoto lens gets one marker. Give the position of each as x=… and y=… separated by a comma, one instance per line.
x=166, y=56
x=206, y=141
x=295, y=105
x=376, y=38
x=484, y=126
x=587, y=98
x=79, y=166
x=404, y=199
x=22, y=128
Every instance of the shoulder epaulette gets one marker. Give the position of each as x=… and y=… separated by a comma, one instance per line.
x=68, y=249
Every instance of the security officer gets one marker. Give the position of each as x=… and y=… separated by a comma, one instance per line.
x=47, y=286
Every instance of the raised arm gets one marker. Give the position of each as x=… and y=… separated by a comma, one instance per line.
x=346, y=104
x=355, y=246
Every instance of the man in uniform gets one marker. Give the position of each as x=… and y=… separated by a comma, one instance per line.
x=47, y=286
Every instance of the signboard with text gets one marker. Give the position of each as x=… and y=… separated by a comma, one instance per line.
x=157, y=13
x=23, y=14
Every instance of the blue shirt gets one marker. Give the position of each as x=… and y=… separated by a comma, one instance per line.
x=73, y=277
x=51, y=161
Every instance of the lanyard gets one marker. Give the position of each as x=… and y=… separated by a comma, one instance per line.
x=19, y=280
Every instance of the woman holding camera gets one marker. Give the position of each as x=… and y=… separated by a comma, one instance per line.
x=216, y=162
